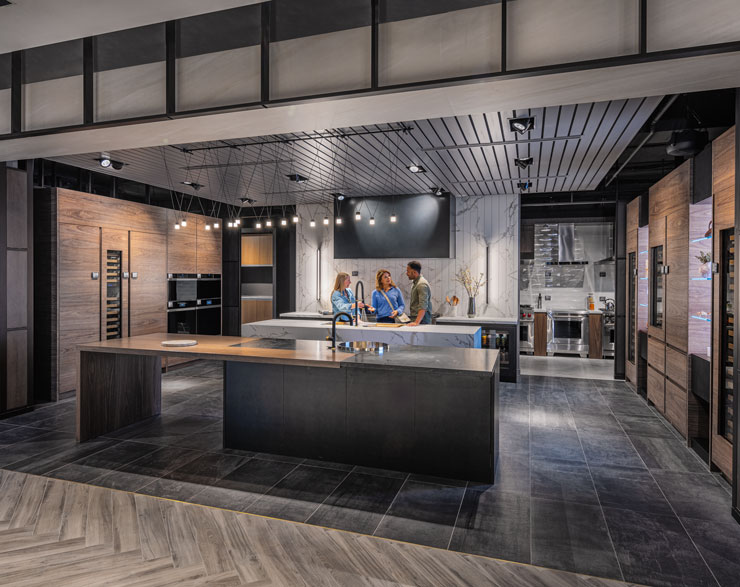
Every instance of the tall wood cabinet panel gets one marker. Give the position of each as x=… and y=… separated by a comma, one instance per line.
x=181, y=243
x=677, y=280
x=147, y=286
x=79, y=296
x=723, y=187
x=208, y=246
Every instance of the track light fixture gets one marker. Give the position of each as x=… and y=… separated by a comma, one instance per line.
x=416, y=169
x=522, y=124
x=338, y=195
x=193, y=184
x=523, y=162
x=438, y=191
x=524, y=185
x=297, y=177
x=247, y=200
x=105, y=161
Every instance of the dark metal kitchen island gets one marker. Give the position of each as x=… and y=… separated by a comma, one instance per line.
x=428, y=410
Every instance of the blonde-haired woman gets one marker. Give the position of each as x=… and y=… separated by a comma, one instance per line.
x=387, y=298
x=342, y=298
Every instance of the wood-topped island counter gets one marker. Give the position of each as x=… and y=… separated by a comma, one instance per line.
x=429, y=410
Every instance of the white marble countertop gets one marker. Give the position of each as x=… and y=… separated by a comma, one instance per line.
x=317, y=315
x=475, y=320
x=564, y=310
x=423, y=335
x=267, y=298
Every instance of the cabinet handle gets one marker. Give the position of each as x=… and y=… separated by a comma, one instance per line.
x=94, y=275
x=134, y=275
x=125, y=274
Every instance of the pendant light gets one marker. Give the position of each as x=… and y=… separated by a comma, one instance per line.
x=268, y=223
x=358, y=216
x=258, y=225
x=338, y=220
x=283, y=222
x=177, y=226
x=216, y=225
x=208, y=227
x=295, y=219
x=372, y=221
x=312, y=224
x=183, y=223
x=393, y=217
x=237, y=222
x=326, y=220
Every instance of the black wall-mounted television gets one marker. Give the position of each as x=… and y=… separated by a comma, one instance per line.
x=423, y=229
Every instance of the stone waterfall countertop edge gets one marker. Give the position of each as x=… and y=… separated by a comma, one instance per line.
x=424, y=335
x=476, y=320
x=303, y=353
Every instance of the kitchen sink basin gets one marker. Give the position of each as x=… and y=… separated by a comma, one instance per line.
x=362, y=346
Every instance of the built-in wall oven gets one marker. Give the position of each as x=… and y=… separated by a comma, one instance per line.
x=526, y=330
x=569, y=332
x=607, y=333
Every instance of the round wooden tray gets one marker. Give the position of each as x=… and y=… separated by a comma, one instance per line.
x=179, y=342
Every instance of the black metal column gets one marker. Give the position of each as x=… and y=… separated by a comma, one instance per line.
x=16, y=92
x=88, y=80
x=3, y=287
x=230, y=281
x=620, y=290
x=504, y=40
x=171, y=69
x=736, y=353
x=374, y=46
x=265, y=52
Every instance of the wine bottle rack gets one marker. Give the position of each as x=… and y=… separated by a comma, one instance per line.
x=113, y=298
x=726, y=391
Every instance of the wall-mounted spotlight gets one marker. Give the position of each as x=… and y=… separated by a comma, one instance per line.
x=193, y=184
x=524, y=185
x=523, y=162
x=326, y=220
x=416, y=169
x=297, y=177
x=522, y=124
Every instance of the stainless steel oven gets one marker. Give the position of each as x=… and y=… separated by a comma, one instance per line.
x=607, y=333
x=569, y=332
x=526, y=330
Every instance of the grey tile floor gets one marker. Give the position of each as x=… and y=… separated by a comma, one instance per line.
x=589, y=480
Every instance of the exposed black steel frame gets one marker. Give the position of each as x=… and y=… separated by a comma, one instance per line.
x=88, y=81
x=171, y=30
x=736, y=352
x=642, y=56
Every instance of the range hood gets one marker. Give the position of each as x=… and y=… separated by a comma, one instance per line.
x=570, y=249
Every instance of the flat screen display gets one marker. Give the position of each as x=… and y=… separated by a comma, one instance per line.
x=422, y=228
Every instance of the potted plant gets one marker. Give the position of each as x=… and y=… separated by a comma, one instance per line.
x=472, y=286
x=705, y=258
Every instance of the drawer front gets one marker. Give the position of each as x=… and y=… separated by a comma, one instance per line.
x=656, y=389
x=656, y=354
x=676, y=408
x=677, y=367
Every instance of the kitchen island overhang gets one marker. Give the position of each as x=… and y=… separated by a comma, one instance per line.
x=427, y=410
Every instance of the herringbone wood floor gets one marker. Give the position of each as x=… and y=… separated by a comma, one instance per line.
x=60, y=533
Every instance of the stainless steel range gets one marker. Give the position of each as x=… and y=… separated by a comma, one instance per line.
x=569, y=332
x=607, y=333
x=526, y=330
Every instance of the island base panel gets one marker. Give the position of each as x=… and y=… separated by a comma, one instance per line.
x=428, y=423
x=116, y=390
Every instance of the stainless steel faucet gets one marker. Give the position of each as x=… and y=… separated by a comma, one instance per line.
x=334, y=327
x=357, y=301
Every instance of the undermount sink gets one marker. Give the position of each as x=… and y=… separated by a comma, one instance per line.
x=362, y=346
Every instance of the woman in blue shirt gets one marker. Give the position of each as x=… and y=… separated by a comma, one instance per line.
x=386, y=311
x=342, y=298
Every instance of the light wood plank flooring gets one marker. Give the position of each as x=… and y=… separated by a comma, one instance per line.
x=61, y=533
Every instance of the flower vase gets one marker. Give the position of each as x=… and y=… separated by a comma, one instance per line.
x=471, y=307
x=705, y=270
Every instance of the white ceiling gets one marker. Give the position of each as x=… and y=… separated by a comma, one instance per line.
x=33, y=23
x=370, y=163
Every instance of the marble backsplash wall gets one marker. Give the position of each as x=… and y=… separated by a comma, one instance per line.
x=481, y=221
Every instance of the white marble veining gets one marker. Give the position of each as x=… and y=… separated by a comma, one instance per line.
x=423, y=335
x=299, y=315
x=481, y=221
x=476, y=320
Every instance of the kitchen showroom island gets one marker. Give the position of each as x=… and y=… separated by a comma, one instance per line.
x=428, y=410
x=462, y=336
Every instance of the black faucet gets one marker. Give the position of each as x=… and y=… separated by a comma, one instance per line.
x=334, y=327
x=357, y=301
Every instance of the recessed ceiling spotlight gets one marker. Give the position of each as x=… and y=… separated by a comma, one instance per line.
x=524, y=185
x=338, y=220
x=312, y=223
x=326, y=220
x=295, y=219
x=372, y=221
x=268, y=222
x=297, y=177
x=358, y=216
x=521, y=124
x=193, y=184
x=416, y=169
x=523, y=162
x=338, y=195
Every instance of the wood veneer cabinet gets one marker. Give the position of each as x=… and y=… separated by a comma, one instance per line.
x=723, y=188
x=106, y=263
x=256, y=249
x=669, y=291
